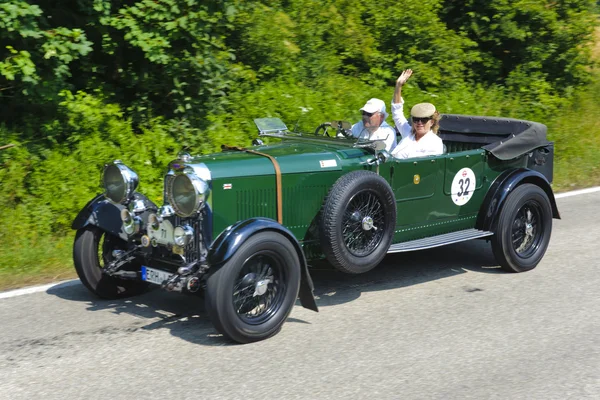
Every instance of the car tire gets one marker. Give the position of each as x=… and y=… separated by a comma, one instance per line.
x=249, y=298
x=357, y=222
x=523, y=230
x=92, y=248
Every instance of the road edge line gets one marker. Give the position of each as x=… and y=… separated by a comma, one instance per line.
x=578, y=192
x=36, y=289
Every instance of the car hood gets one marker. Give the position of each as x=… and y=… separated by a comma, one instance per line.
x=292, y=157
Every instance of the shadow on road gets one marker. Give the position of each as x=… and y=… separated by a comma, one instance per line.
x=186, y=318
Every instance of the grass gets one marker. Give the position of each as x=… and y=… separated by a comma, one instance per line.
x=577, y=148
x=32, y=263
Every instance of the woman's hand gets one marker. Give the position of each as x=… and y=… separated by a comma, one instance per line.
x=404, y=77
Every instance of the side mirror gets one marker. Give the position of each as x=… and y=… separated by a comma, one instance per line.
x=379, y=145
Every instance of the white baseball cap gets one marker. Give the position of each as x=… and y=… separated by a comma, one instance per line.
x=375, y=105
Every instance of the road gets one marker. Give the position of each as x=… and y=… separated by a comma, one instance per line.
x=444, y=323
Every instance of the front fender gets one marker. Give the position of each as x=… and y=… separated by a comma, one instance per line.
x=101, y=213
x=502, y=187
x=230, y=240
x=105, y=215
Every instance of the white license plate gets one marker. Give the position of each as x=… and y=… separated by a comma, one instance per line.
x=154, y=275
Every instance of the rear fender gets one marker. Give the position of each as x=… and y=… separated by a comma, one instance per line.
x=504, y=184
x=230, y=240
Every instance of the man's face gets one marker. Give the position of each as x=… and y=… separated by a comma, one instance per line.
x=372, y=120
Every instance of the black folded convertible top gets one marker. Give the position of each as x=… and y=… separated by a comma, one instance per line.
x=505, y=138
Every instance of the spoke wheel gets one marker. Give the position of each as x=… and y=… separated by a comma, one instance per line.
x=523, y=230
x=250, y=296
x=259, y=288
x=358, y=221
x=92, y=250
x=362, y=224
x=527, y=230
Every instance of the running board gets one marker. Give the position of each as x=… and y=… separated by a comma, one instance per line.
x=439, y=240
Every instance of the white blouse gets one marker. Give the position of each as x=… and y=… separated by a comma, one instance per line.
x=430, y=144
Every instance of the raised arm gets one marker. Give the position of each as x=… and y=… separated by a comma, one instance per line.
x=398, y=105
x=399, y=83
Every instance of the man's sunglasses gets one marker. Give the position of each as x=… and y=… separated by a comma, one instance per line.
x=423, y=120
x=368, y=114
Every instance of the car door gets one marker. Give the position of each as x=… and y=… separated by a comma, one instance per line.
x=417, y=183
x=463, y=181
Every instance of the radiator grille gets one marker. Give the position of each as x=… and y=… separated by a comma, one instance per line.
x=193, y=250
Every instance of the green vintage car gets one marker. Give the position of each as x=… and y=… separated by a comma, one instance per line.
x=242, y=226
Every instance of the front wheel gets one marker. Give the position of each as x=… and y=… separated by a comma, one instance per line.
x=91, y=251
x=523, y=231
x=249, y=298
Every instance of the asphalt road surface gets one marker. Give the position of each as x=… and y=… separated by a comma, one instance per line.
x=444, y=323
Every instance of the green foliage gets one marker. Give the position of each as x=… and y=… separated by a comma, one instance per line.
x=36, y=60
x=575, y=133
x=521, y=43
x=55, y=184
x=169, y=55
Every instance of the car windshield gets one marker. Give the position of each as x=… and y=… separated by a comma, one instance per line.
x=334, y=130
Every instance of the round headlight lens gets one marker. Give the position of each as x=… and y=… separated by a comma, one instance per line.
x=131, y=224
x=187, y=194
x=182, y=235
x=119, y=182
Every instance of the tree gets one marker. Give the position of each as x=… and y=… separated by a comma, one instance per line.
x=525, y=42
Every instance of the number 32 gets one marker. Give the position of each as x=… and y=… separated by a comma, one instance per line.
x=464, y=187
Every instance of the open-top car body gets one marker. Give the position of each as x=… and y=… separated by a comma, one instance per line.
x=243, y=225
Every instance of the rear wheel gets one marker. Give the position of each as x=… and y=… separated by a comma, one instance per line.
x=249, y=298
x=91, y=251
x=523, y=230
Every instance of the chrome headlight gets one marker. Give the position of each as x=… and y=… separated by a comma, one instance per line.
x=187, y=194
x=182, y=235
x=131, y=224
x=119, y=182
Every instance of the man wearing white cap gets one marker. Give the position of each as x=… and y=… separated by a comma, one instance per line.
x=373, y=125
x=420, y=138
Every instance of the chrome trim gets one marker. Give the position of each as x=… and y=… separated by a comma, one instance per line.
x=439, y=240
x=201, y=191
x=130, y=180
x=137, y=206
x=154, y=222
x=202, y=172
x=182, y=235
x=166, y=211
x=184, y=156
x=126, y=216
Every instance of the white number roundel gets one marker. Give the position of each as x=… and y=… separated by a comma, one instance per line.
x=463, y=186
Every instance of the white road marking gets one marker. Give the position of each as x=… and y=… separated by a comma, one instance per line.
x=578, y=192
x=43, y=288
x=35, y=289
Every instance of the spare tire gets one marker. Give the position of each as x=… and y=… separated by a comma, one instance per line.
x=358, y=221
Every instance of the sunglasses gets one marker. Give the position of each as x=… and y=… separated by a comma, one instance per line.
x=368, y=114
x=422, y=120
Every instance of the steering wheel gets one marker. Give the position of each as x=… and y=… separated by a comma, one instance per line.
x=342, y=129
x=323, y=127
